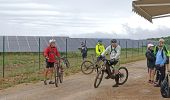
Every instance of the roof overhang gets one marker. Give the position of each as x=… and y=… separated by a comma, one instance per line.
x=151, y=9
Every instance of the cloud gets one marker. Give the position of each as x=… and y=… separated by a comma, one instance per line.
x=25, y=6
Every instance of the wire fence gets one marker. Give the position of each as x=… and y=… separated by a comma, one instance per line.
x=19, y=62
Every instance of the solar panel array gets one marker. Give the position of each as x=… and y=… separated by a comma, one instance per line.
x=31, y=43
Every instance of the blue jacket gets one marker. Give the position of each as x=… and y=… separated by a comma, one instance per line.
x=160, y=58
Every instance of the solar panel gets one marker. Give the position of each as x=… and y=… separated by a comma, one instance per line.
x=31, y=43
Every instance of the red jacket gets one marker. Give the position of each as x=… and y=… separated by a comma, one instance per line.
x=51, y=53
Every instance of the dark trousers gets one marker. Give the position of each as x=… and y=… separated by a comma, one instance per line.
x=108, y=71
x=160, y=73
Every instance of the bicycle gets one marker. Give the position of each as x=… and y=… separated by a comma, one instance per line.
x=65, y=62
x=122, y=72
x=87, y=66
x=59, y=71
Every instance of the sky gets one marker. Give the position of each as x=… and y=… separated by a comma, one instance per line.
x=78, y=19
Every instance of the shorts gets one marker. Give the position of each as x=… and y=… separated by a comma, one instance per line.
x=49, y=64
x=167, y=60
x=151, y=67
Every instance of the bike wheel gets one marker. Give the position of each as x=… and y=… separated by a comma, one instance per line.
x=87, y=67
x=98, y=78
x=123, y=75
x=66, y=63
x=61, y=76
x=56, y=76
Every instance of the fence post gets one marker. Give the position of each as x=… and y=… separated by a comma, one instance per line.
x=126, y=49
x=142, y=47
x=3, y=63
x=39, y=53
x=138, y=47
x=66, y=47
x=132, y=50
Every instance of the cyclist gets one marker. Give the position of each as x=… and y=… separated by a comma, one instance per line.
x=84, y=50
x=114, y=50
x=99, y=48
x=50, y=53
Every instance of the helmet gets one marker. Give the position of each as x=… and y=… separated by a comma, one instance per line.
x=82, y=43
x=150, y=45
x=113, y=41
x=52, y=41
x=99, y=40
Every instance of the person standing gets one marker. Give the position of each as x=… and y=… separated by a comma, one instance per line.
x=84, y=50
x=150, y=62
x=162, y=43
x=50, y=54
x=161, y=60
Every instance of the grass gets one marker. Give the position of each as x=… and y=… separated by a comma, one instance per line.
x=24, y=67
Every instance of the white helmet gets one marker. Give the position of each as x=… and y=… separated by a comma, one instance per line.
x=51, y=41
x=150, y=45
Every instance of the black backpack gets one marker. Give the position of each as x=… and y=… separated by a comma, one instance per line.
x=165, y=88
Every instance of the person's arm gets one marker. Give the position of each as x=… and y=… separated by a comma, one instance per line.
x=57, y=53
x=97, y=50
x=164, y=59
x=46, y=53
x=106, y=51
x=118, y=53
x=149, y=56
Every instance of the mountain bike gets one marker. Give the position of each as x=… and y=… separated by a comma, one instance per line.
x=87, y=66
x=59, y=71
x=122, y=72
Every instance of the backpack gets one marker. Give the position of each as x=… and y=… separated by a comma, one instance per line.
x=112, y=50
x=165, y=88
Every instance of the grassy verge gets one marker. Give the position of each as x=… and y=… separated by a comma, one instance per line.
x=24, y=67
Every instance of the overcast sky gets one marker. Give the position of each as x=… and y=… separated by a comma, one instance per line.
x=77, y=18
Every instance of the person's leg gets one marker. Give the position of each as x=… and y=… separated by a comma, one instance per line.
x=116, y=71
x=149, y=75
x=51, y=72
x=108, y=71
x=46, y=72
x=152, y=75
x=157, y=76
x=162, y=76
x=157, y=73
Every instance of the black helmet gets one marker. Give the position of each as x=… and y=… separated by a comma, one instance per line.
x=113, y=41
x=99, y=40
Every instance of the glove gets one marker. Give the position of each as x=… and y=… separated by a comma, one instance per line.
x=113, y=59
x=100, y=57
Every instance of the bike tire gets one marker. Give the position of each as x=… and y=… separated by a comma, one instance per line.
x=100, y=77
x=67, y=63
x=56, y=75
x=87, y=69
x=121, y=75
x=61, y=77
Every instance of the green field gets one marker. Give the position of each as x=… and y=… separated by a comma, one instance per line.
x=24, y=67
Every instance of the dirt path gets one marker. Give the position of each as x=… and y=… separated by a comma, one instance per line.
x=80, y=87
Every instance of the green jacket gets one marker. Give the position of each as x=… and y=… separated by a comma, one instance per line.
x=99, y=49
x=164, y=49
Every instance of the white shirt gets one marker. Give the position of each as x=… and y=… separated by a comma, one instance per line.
x=114, y=53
